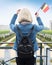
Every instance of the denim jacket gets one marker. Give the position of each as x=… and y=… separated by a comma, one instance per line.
x=25, y=28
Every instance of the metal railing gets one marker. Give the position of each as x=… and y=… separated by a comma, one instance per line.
x=41, y=56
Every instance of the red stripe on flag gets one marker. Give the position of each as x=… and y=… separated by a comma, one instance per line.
x=46, y=9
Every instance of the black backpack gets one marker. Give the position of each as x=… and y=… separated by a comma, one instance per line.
x=25, y=46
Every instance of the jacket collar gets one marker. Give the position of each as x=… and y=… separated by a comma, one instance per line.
x=25, y=23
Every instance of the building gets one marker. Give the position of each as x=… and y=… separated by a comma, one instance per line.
x=4, y=27
x=50, y=24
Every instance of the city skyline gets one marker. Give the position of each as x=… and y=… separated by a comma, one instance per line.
x=9, y=7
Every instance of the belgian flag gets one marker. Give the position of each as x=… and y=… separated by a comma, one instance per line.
x=45, y=8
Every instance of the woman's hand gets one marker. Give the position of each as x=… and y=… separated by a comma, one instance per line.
x=18, y=11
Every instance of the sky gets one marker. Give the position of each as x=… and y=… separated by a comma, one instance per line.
x=9, y=7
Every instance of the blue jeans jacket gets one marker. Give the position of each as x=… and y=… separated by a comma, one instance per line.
x=25, y=29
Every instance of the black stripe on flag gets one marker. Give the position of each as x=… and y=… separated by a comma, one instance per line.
x=43, y=5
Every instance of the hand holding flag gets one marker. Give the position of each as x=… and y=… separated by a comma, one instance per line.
x=36, y=14
x=44, y=8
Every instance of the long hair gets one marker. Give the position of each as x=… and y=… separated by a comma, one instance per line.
x=24, y=15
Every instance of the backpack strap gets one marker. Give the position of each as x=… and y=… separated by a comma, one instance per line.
x=30, y=30
x=19, y=31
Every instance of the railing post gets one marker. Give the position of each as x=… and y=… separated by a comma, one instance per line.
x=45, y=53
x=41, y=61
x=47, y=56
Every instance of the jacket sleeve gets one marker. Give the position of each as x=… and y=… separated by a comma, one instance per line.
x=40, y=25
x=12, y=23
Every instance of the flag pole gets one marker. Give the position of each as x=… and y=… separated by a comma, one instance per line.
x=37, y=11
x=39, y=8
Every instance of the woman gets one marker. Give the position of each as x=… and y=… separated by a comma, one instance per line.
x=25, y=24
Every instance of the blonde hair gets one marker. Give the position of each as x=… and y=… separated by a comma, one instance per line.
x=24, y=15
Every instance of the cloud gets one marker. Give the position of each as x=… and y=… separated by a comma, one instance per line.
x=9, y=8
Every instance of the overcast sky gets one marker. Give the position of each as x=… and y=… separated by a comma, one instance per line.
x=9, y=7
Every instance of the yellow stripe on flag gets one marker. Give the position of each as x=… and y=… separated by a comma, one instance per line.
x=45, y=6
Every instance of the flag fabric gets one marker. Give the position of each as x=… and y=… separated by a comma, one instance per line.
x=45, y=8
